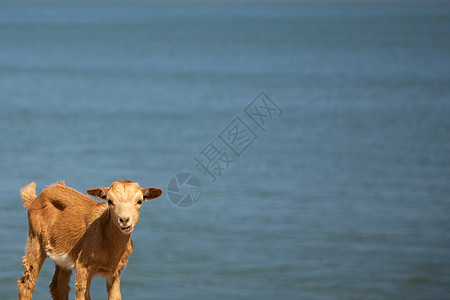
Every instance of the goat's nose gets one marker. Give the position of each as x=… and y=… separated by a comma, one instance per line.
x=124, y=220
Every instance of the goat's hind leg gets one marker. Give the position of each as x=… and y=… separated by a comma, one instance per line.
x=32, y=263
x=59, y=288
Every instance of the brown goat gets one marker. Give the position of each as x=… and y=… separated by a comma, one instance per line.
x=77, y=232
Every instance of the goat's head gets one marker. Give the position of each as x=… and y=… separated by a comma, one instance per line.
x=125, y=198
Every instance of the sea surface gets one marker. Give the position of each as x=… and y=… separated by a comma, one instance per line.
x=343, y=193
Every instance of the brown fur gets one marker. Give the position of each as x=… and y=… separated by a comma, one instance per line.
x=80, y=233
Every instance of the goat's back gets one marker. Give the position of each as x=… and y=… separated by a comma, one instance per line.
x=61, y=215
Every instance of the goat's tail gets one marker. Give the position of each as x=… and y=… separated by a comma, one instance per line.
x=28, y=194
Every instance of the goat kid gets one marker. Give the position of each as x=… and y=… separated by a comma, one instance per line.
x=77, y=232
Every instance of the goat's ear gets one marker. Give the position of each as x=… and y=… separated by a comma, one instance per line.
x=99, y=192
x=151, y=193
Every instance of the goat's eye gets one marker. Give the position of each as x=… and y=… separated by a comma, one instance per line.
x=139, y=202
x=110, y=202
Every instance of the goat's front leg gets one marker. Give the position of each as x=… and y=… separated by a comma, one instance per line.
x=83, y=283
x=113, y=288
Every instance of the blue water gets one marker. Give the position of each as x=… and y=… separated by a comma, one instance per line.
x=346, y=195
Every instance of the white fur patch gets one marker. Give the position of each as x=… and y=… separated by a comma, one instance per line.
x=63, y=260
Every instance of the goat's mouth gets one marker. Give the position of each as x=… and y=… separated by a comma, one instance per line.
x=127, y=229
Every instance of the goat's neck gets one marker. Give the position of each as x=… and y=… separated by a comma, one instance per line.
x=112, y=235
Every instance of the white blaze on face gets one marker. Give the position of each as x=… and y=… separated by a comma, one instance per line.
x=124, y=197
